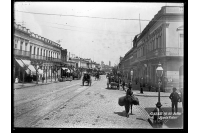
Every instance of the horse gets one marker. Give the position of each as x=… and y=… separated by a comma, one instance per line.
x=129, y=102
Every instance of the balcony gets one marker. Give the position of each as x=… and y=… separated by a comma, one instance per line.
x=169, y=51
x=174, y=51
x=21, y=52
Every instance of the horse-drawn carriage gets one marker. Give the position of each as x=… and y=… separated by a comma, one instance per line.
x=86, y=78
x=112, y=81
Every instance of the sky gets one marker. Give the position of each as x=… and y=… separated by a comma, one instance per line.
x=82, y=28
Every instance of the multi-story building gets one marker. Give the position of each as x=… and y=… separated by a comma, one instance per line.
x=32, y=51
x=160, y=42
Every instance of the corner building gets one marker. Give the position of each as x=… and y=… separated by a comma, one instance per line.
x=160, y=41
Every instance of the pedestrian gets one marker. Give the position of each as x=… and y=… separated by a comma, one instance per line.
x=174, y=96
x=43, y=78
x=123, y=84
x=149, y=87
x=141, y=87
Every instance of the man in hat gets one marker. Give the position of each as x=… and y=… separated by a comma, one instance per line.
x=174, y=96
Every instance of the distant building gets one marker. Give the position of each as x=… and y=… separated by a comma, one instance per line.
x=109, y=63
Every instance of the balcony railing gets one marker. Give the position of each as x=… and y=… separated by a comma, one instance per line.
x=21, y=52
x=169, y=51
x=174, y=51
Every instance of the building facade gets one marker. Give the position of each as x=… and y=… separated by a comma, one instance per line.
x=160, y=42
x=34, y=53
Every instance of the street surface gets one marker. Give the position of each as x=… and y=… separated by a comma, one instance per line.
x=69, y=104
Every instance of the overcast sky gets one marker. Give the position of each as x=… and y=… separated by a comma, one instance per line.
x=96, y=38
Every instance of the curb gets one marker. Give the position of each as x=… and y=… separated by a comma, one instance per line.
x=148, y=95
x=35, y=85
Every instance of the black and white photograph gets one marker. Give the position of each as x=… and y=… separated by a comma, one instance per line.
x=99, y=65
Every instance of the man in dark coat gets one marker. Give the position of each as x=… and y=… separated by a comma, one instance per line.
x=174, y=96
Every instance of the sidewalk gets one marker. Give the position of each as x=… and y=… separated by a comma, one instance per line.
x=147, y=93
x=26, y=85
x=150, y=94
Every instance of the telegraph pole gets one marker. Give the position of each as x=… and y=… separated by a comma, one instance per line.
x=140, y=23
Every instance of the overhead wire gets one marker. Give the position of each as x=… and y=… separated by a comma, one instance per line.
x=88, y=16
x=88, y=28
x=84, y=31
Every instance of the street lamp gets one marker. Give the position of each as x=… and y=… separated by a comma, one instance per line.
x=159, y=72
x=132, y=78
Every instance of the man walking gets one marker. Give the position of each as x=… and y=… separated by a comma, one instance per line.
x=174, y=96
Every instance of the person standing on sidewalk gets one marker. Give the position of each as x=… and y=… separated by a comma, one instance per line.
x=123, y=84
x=174, y=96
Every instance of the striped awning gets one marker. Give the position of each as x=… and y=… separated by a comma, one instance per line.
x=32, y=69
x=20, y=62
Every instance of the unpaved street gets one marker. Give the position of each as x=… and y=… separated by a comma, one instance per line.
x=69, y=104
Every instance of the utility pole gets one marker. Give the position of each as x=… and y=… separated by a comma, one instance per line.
x=139, y=23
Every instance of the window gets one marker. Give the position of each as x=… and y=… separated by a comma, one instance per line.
x=21, y=45
x=16, y=41
x=44, y=53
x=37, y=51
x=41, y=52
x=181, y=41
x=158, y=42
x=30, y=49
x=34, y=50
x=26, y=46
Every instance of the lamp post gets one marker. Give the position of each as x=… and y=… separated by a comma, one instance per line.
x=159, y=72
x=132, y=78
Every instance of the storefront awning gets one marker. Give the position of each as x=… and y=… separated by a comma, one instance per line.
x=33, y=71
x=20, y=62
x=26, y=62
